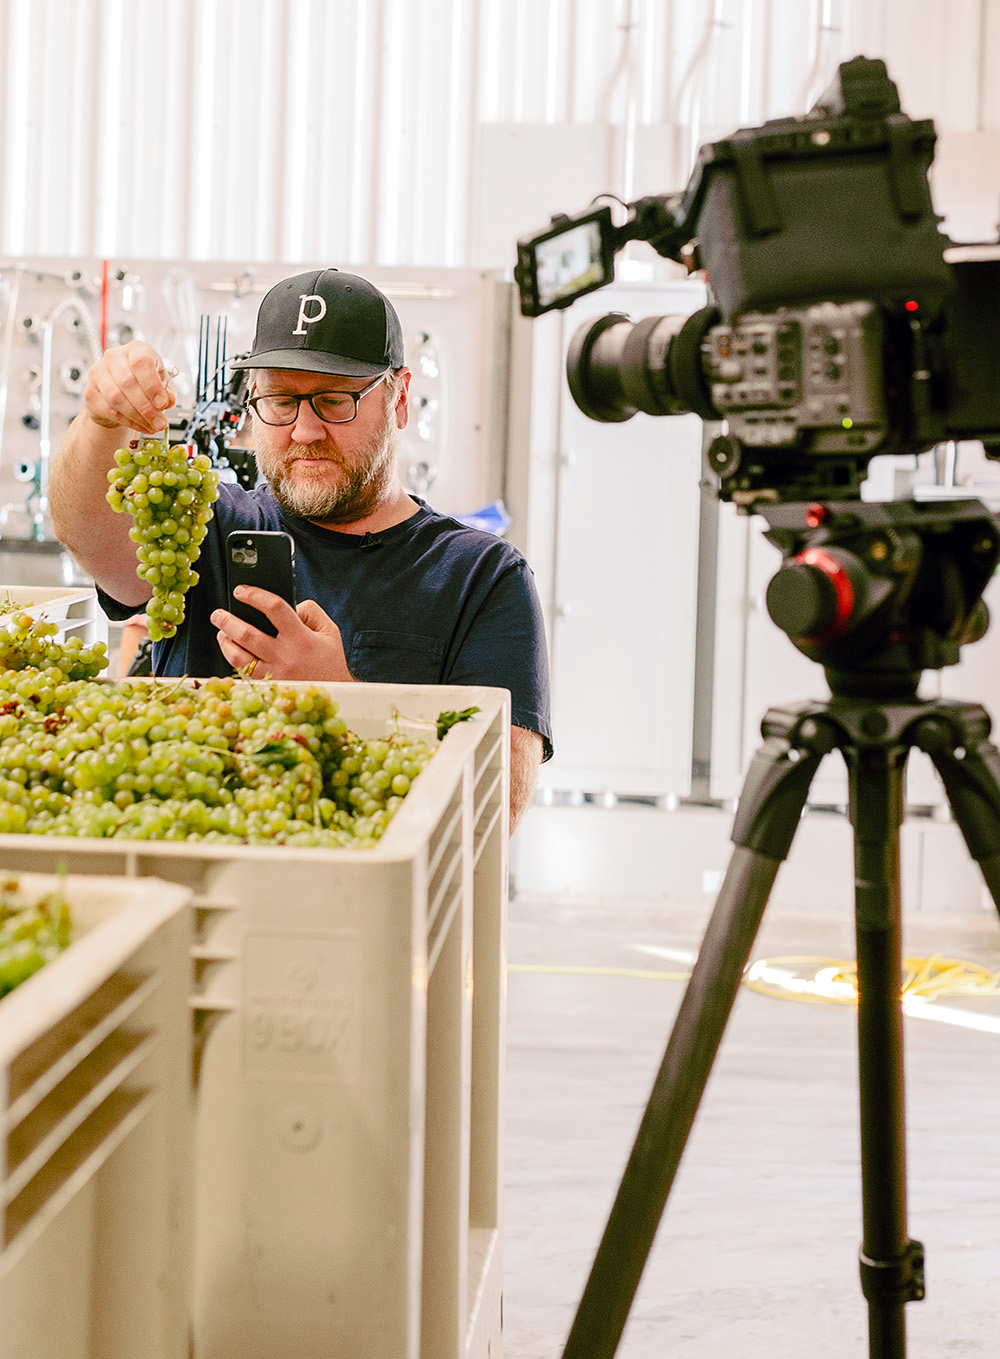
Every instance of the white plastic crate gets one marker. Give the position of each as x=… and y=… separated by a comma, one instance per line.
x=75, y=611
x=95, y=1131
x=349, y=1016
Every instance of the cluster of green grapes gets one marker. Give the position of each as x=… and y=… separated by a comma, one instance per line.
x=32, y=933
x=169, y=495
x=27, y=642
x=218, y=760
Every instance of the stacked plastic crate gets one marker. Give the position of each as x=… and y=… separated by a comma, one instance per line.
x=75, y=612
x=95, y=1131
x=349, y=1020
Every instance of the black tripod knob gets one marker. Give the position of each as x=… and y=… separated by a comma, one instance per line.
x=812, y=596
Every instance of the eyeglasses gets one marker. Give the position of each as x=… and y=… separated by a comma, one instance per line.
x=333, y=408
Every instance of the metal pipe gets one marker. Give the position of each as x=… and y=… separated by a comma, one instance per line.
x=694, y=78
x=630, y=29
x=624, y=73
x=8, y=343
x=981, y=73
x=70, y=302
x=819, y=76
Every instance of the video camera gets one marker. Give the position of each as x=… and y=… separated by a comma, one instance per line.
x=843, y=323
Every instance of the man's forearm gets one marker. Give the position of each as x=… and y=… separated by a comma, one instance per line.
x=525, y=758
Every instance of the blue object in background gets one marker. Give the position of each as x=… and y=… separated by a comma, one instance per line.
x=492, y=518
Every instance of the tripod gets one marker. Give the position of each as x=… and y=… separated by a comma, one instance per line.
x=875, y=731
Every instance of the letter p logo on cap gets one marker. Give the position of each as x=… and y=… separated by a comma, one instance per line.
x=304, y=318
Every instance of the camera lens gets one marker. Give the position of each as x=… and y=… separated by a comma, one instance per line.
x=616, y=367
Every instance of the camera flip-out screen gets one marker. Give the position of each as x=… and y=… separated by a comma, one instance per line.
x=573, y=258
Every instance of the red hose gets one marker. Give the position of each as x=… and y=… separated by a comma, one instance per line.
x=104, y=305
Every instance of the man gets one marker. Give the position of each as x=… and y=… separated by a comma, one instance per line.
x=397, y=592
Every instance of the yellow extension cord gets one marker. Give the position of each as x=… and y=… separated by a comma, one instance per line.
x=819, y=980
x=827, y=980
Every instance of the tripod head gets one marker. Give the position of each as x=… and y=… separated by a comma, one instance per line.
x=878, y=592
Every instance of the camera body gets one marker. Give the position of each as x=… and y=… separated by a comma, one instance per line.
x=843, y=324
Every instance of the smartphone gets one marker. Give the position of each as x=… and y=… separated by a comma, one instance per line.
x=265, y=558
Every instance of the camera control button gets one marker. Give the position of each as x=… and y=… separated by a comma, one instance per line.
x=802, y=600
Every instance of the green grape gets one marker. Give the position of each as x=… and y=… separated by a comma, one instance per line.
x=221, y=760
x=170, y=497
x=32, y=933
x=26, y=643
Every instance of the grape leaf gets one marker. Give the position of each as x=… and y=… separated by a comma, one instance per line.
x=288, y=751
x=447, y=720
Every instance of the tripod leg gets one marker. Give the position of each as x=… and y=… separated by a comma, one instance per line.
x=971, y=783
x=773, y=797
x=891, y=1264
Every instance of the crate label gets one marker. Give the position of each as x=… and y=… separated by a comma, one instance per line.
x=302, y=1006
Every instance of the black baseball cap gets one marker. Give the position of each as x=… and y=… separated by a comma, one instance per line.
x=326, y=321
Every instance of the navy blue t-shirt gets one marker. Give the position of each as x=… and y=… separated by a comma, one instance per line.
x=428, y=601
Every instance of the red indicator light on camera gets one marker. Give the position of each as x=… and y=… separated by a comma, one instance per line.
x=912, y=306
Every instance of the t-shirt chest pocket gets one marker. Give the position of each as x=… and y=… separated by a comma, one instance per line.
x=395, y=657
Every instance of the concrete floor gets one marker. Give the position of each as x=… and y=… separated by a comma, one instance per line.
x=757, y=1250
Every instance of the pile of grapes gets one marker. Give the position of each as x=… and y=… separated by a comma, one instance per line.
x=32, y=933
x=218, y=760
x=27, y=643
x=169, y=495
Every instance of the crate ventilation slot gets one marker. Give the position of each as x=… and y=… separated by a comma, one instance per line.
x=71, y=1100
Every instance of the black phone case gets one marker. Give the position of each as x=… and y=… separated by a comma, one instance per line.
x=264, y=558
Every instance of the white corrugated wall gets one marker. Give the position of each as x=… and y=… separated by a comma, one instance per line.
x=417, y=132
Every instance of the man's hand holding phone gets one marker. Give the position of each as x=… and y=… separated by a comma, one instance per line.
x=307, y=645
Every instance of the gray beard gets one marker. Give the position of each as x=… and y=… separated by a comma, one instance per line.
x=359, y=494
